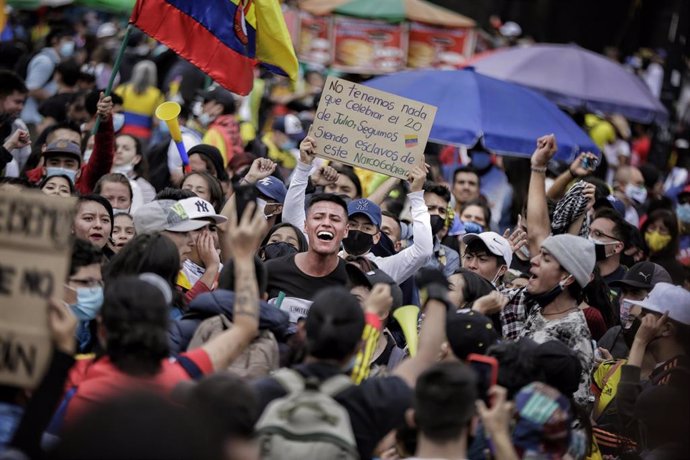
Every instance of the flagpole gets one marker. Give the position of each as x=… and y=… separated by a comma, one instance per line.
x=116, y=69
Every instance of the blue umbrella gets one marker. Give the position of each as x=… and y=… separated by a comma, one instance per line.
x=505, y=117
x=575, y=78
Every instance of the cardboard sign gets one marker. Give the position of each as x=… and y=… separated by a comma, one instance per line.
x=371, y=129
x=35, y=247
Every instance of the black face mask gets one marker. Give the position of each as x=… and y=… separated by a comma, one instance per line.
x=358, y=243
x=600, y=252
x=545, y=298
x=627, y=260
x=629, y=333
x=279, y=249
x=437, y=223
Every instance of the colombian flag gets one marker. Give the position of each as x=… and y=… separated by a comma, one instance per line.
x=224, y=38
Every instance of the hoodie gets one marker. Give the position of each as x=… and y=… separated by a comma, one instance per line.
x=220, y=301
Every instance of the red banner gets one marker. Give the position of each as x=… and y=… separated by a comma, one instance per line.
x=368, y=46
x=315, y=38
x=439, y=47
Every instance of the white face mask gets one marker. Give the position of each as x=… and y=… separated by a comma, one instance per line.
x=123, y=169
x=205, y=119
x=119, y=121
x=635, y=193
x=261, y=206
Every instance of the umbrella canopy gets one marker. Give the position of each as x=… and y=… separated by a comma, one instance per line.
x=389, y=10
x=505, y=117
x=576, y=78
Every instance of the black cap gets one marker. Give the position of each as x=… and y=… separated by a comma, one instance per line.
x=470, y=332
x=560, y=366
x=214, y=155
x=221, y=95
x=370, y=278
x=643, y=275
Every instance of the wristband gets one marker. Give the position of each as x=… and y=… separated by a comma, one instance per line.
x=537, y=169
x=373, y=320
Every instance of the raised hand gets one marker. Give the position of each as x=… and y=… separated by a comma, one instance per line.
x=19, y=139
x=491, y=303
x=245, y=236
x=546, y=148
x=417, y=177
x=577, y=169
x=260, y=169
x=307, y=149
x=324, y=176
x=104, y=108
x=379, y=301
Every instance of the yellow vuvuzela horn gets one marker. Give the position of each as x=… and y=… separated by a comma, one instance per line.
x=407, y=317
x=168, y=112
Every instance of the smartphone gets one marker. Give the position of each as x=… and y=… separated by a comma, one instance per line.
x=590, y=163
x=244, y=194
x=486, y=368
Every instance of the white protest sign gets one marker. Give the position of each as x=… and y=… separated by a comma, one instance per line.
x=35, y=247
x=371, y=129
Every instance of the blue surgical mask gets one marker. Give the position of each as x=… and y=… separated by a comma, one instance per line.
x=683, y=213
x=89, y=302
x=67, y=49
x=472, y=227
x=119, y=121
x=53, y=171
x=288, y=145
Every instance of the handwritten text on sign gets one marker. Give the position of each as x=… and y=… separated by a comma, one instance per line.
x=35, y=246
x=371, y=129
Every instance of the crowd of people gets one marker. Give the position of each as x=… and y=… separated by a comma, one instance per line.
x=257, y=303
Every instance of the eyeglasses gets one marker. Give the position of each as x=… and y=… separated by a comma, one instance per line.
x=87, y=282
x=598, y=234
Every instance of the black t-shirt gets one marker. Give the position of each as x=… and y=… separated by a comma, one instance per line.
x=298, y=288
x=376, y=406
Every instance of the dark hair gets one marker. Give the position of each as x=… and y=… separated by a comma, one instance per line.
x=438, y=190
x=465, y=169
x=620, y=228
x=175, y=194
x=478, y=245
x=349, y=172
x=332, y=197
x=147, y=253
x=69, y=70
x=334, y=324
x=596, y=294
x=141, y=169
x=56, y=33
x=671, y=222
x=301, y=239
x=135, y=317
x=444, y=399
x=485, y=209
x=45, y=180
x=116, y=178
x=226, y=279
x=98, y=199
x=227, y=404
x=141, y=418
x=214, y=188
x=84, y=253
x=11, y=82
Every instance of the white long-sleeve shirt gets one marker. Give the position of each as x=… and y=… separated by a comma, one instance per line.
x=293, y=206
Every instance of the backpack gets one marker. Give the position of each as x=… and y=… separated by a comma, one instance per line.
x=307, y=424
x=259, y=359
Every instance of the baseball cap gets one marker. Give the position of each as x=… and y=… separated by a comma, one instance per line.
x=470, y=332
x=273, y=188
x=366, y=207
x=290, y=125
x=370, y=278
x=495, y=243
x=643, y=275
x=198, y=208
x=161, y=215
x=665, y=297
x=63, y=148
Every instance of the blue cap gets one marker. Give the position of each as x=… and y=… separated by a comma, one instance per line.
x=272, y=188
x=366, y=207
x=617, y=205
